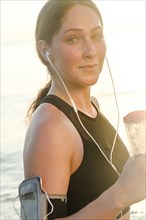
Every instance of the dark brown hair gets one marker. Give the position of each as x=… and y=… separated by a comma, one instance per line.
x=48, y=24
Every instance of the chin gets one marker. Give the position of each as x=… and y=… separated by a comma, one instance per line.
x=93, y=81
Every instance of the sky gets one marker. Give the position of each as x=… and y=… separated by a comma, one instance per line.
x=18, y=18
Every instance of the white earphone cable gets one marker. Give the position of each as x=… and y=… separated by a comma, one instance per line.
x=110, y=161
x=76, y=111
x=118, y=111
x=72, y=102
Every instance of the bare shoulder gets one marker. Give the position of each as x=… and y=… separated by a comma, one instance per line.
x=47, y=122
x=49, y=148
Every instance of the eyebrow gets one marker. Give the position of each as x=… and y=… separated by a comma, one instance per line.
x=80, y=30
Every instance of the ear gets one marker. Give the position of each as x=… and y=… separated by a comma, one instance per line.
x=42, y=48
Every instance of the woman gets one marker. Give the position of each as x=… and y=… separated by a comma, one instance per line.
x=73, y=163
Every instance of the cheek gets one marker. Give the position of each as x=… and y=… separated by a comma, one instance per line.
x=71, y=56
x=102, y=50
x=101, y=54
x=66, y=59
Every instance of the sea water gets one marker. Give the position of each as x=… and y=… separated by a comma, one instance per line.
x=22, y=75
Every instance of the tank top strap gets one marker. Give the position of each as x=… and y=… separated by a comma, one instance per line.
x=68, y=111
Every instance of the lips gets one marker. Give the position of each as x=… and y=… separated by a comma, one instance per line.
x=90, y=67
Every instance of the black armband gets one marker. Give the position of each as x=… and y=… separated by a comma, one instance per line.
x=37, y=204
x=59, y=203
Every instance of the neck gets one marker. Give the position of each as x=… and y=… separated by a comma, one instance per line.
x=80, y=96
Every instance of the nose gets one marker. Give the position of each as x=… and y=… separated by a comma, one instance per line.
x=89, y=49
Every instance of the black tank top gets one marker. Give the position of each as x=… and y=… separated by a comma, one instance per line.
x=94, y=174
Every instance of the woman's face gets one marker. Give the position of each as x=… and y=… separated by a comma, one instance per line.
x=78, y=49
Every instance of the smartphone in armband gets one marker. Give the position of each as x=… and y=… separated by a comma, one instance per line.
x=34, y=203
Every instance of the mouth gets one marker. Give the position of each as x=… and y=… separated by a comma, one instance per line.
x=89, y=68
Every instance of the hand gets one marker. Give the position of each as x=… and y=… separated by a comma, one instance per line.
x=132, y=181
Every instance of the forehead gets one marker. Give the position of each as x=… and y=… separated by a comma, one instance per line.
x=80, y=16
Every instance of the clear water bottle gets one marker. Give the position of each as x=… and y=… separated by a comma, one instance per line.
x=135, y=123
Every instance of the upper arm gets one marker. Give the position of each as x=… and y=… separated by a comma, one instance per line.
x=48, y=153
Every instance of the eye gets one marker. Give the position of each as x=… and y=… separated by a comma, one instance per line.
x=73, y=39
x=98, y=37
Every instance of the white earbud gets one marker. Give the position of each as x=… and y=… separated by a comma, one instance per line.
x=47, y=54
